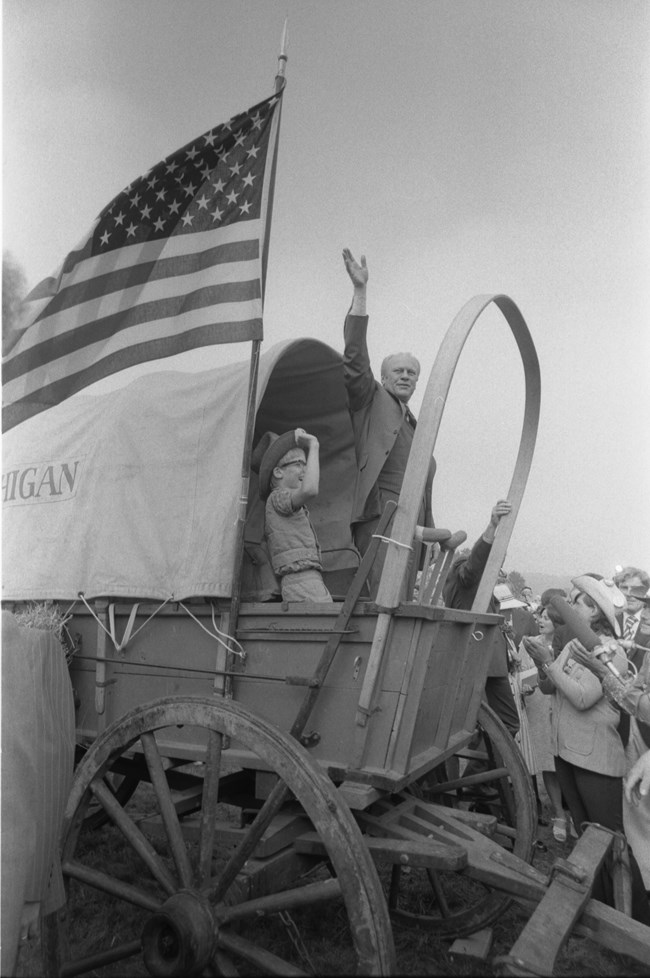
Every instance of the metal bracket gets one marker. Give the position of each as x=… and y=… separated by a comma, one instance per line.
x=310, y=739
x=303, y=681
x=571, y=874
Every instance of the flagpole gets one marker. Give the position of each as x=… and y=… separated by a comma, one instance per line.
x=229, y=620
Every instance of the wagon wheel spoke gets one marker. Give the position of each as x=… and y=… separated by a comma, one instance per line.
x=222, y=965
x=209, y=803
x=252, y=954
x=299, y=896
x=167, y=809
x=108, y=884
x=261, y=822
x=134, y=836
x=83, y=966
x=436, y=886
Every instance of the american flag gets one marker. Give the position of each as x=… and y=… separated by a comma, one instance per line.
x=176, y=261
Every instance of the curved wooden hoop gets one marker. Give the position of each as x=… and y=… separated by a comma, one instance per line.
x=424, y=441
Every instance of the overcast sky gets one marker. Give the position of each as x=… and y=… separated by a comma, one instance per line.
x=465, y=146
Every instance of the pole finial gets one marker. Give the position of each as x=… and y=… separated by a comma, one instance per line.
x=282, y=57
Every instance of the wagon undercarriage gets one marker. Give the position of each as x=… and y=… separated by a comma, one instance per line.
x=199, y=894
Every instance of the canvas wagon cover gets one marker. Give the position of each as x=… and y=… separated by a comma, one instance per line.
x=134, y=493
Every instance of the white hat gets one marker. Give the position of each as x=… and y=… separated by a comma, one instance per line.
x=605, y=594
x=506, y=599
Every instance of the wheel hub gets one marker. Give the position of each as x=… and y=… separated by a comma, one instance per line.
x=178, y=939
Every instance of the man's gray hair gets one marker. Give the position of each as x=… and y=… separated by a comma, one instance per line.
x=385, y=364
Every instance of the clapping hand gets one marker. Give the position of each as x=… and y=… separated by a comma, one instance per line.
x=537, y=649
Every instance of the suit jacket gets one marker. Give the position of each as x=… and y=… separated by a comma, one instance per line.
x=460, y=590
x=377, y=417
x=642, y=638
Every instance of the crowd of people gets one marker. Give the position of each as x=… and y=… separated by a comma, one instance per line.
x=595, y=682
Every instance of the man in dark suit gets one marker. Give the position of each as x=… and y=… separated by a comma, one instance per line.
x=382, y=422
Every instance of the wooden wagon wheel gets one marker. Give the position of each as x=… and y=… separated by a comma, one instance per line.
x=189, y=903
x=457, y=904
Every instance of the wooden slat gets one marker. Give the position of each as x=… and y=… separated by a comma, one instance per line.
x=402, y=852
x=543, y=937
x=613, y=930
x=331, y=646
x=399, y=745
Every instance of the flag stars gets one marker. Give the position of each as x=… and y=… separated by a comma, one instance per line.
x=208, y=184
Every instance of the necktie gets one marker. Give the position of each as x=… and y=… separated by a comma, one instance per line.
x=630, y=627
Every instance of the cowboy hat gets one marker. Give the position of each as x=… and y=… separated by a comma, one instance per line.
x=270, y=449
x=603, y=593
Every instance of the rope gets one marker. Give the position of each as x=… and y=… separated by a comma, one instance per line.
x=128, y=631
x=229, y=643
x=230, y=640
x=398, y=543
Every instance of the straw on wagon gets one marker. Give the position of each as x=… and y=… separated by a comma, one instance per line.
x=46, y=616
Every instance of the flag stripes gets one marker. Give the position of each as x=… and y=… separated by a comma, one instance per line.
x=175, y=262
